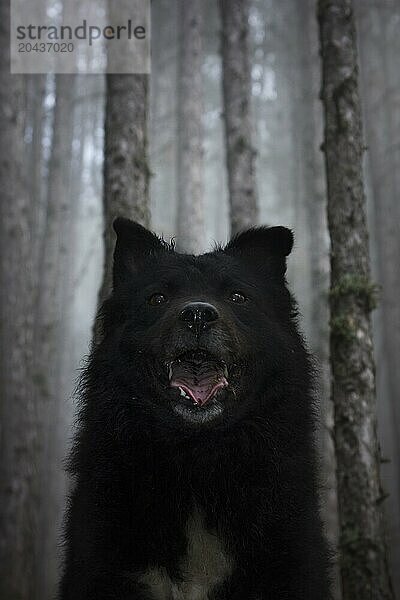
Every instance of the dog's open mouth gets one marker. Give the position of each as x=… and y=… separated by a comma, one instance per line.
x=198, y=376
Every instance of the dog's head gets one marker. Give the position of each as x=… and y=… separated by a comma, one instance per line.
x=197, y=337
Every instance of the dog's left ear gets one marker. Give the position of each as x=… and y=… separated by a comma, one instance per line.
x=268, y=245
x=134, y=243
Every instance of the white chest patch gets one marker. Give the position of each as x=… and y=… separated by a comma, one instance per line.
x=205, y=565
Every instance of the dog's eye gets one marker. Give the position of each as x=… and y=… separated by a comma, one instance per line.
x=237, y=297
x=157, y=299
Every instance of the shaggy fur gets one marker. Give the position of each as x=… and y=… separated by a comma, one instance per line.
x=165, y=508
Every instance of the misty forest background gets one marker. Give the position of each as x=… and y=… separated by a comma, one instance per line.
x=227, y=131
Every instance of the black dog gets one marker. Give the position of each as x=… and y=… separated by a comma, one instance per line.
x=195, y=467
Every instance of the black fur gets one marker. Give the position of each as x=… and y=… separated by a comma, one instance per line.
x=141, y=468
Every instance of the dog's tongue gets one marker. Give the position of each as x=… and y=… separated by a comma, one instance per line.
x=198, y=376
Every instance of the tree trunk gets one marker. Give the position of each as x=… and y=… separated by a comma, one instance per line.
x=363, y=555
x=50, y=342
x=190, y=129
x=18, y=431
x=236, y=79
x=126, y=172
x=379, y=40
x=35, y=156
x=163, y=120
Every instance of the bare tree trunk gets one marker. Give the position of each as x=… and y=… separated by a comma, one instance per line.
x=237, y=114
x=163, y=120
x=49, y=341
x=379, y=40
x=18, y=431
x=190, y=129
x=363, y=554
x=35, y=160
x=126, y=172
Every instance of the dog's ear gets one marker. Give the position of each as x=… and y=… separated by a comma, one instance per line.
x=263, y=245
x=134, y=243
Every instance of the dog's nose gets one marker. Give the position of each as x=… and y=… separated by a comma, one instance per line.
x=197, y=315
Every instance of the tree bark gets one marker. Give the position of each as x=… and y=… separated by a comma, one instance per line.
x=163, y=121
x=36, y=85
x=190, y=227
x=126, y=172
x=379, y=51
x=49, y=339
x=18, y=420
x=236, y=82
x=363, y=554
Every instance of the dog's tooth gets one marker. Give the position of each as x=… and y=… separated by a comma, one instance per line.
x=184, y=394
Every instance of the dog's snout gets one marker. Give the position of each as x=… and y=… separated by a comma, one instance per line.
x=197, y=315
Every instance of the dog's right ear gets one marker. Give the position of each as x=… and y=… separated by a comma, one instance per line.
x=265, y=246
x=134, y=243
